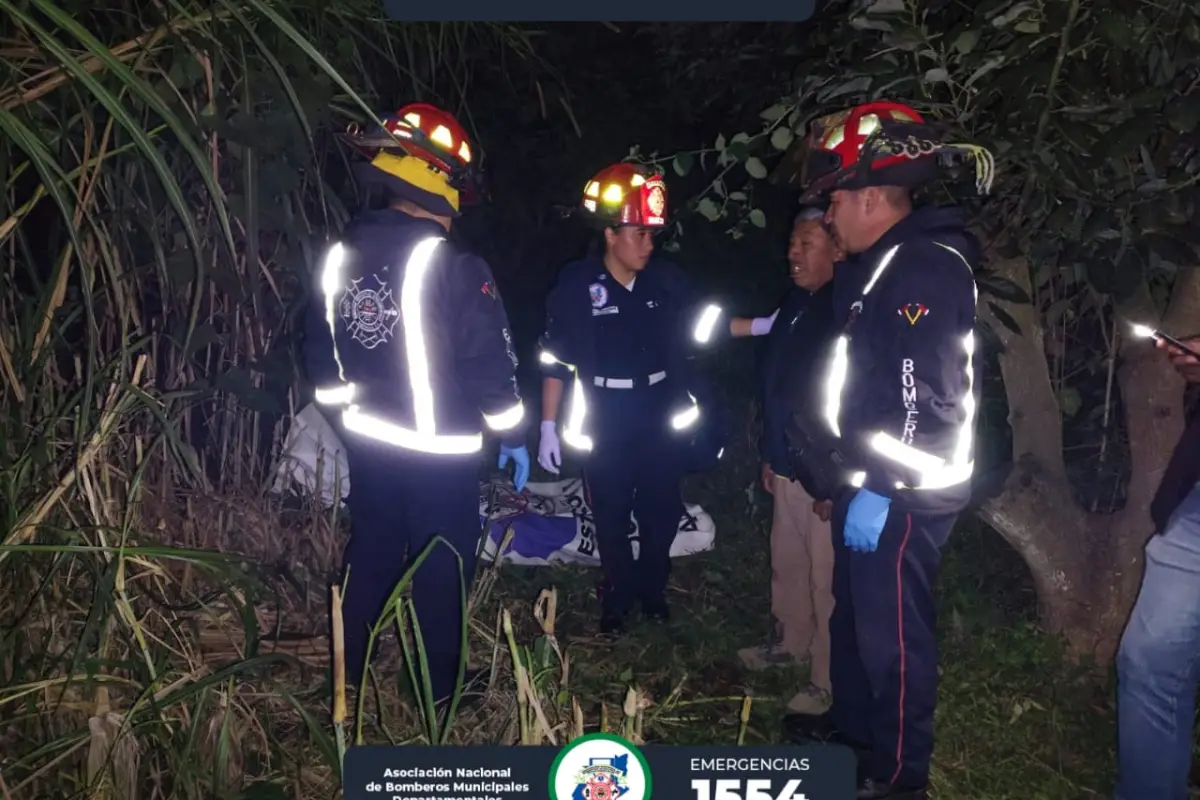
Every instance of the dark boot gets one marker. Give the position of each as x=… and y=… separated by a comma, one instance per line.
x=613, y=623
x=819, y=729
x=870, y=789
x=655, y=609
x=614, y=614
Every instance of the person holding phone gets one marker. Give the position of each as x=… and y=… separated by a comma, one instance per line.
x=1156, y=663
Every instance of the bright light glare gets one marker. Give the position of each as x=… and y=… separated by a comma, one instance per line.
x=1143, y=331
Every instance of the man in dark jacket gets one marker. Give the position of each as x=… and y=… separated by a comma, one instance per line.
x=801, y=544
x=900, y=402
x=408, y=339
x=1156, y=665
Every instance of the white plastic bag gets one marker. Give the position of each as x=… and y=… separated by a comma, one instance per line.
x=313, y=457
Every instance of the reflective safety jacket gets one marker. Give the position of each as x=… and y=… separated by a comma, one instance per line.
x=673, y=321
x=408, y=339
x=903, y=385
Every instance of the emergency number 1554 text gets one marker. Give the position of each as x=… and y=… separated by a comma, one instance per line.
x=752, y=789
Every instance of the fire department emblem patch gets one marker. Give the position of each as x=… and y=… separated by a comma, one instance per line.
x=657, y=199
x=370, y=314
x=654, y=202
x=600, y=766
x=912, y=312
x=599, y=295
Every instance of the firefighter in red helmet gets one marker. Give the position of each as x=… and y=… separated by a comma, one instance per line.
x=621, y=328
x=408, y=345
x=900, y=397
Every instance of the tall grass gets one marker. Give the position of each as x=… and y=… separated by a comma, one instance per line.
x=168, y=177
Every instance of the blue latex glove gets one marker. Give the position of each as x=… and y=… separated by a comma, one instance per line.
x=864, y=521
x=520, y=457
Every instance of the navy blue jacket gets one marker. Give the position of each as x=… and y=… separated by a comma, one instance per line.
x=405, y=335
x=791, y=373
x=908, y=405
x=600, y=329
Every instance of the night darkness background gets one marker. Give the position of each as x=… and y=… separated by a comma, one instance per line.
x=664, y=88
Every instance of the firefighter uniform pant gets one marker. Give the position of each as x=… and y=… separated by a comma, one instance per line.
x=399, y=501
x=635, y=467
x=884, y=650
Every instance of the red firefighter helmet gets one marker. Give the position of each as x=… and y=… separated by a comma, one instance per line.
x=882, y=143
x=626, y=194
x=422, y=153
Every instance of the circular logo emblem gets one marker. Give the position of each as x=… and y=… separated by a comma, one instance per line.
x=600, y=766
x=657, y=200
x=599, y=295
x=368, y=310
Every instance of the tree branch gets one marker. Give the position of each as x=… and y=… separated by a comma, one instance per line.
x=1033, y=409
x=1183, y=311
x=1044, y=119
x=1031, y=516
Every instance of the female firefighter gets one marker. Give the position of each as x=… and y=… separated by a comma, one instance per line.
x=620, y=328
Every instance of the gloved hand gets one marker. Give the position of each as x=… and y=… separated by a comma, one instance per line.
x=520, y=457
x=864, y=521
x=549, y=450
x=761, y=326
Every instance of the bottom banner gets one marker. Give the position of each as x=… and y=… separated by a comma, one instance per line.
x=600, y=766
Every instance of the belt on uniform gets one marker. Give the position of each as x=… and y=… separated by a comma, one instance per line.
x=629, y=383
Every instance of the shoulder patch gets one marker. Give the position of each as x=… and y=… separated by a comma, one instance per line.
x=599, y=295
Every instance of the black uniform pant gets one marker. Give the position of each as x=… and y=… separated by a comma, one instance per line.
x=635, y=467
x=883, y=638
x=399, y=501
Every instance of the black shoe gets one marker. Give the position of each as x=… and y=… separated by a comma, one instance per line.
x=656, y=610
x=613, y=623
x=819, y=729
x=870, y=789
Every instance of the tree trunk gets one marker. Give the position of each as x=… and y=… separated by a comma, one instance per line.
x=1086, y=567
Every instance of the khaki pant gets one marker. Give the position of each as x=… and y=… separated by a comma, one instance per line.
x=802, y=578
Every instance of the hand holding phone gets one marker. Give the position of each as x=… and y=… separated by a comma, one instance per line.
x=1182, y=356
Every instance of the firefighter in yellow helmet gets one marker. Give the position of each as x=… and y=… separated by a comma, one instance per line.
x=621, y=326
x=409, y=349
